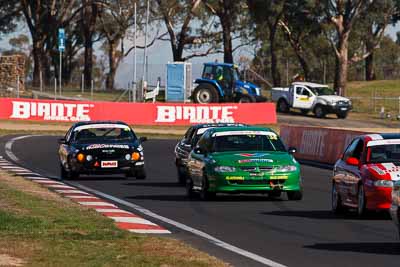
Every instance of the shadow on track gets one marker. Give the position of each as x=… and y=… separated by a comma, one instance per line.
x=328, y=215
x=153, y=184
x=383, y=248
x=219, y=198
x=99, y=178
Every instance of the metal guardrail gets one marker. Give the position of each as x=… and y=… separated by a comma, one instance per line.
x=376, y=104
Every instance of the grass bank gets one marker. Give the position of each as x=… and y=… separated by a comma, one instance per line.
x=40, y=228
x=370, y=96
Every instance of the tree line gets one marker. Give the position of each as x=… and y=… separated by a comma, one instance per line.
x=319, y=37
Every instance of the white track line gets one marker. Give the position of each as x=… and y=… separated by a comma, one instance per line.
x=149, y=213
x=35, y=178
x=96, y=203
x=114, y=210
x=132, y=220
x=82, y=197
x=71, y=191
x=184, y=227
x=149, y=231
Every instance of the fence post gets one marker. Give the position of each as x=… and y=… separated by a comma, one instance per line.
x=399, y=107
x=17, y=86
x=83, y=83
x=41, y=81
x=91, y=90
x=55, y=88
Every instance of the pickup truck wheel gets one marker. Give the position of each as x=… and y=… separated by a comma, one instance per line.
x=319, y=111
x=283, y=106
x=342, y=115
x=247, y=99
x=205, y=94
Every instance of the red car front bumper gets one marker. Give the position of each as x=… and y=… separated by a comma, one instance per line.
x=378, y=198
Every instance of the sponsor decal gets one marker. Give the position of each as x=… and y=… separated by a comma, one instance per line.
x=270, y=135
x=276, y=177
x=101, y=126
x=313, y=143
x=150, y=113
x=50, y=111
x=257, y=174
x=108, y=151
x=109, y=164
x=254, y=155
x=230, y=178
x=101, y=146
x=196, y=114
x=384, y=142
x=255, y=160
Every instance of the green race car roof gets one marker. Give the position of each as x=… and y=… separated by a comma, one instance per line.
x=244, y=128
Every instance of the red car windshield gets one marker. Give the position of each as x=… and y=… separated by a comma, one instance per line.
x=384, y=153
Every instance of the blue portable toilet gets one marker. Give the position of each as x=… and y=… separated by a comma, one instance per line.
x=179, y=82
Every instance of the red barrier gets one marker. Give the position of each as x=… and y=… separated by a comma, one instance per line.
x=317, y=144
x=136, y=113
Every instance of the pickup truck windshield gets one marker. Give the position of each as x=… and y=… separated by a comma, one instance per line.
x=322, y=90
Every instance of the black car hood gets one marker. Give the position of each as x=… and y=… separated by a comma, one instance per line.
x=97, y=146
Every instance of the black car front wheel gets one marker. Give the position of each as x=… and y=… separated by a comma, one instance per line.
x=189, y=188
x=181, y=174
x=140, y=174
x=63, y=173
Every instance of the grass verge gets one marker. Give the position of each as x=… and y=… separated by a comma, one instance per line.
x=39, y=228
x=370, y=96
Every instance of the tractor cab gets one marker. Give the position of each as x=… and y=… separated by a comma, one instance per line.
x=220, y=82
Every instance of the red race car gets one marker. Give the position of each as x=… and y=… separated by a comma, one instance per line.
x=363, y=177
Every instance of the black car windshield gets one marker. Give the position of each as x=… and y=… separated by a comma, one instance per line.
x=248, y=142
x=384, y=153
x=322, y=90
x=104, y=135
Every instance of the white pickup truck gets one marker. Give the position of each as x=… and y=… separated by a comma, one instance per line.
x=314, y=97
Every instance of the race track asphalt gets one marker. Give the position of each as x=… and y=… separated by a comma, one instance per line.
x=292, y=233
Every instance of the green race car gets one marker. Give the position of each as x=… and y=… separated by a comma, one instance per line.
x=243, y=160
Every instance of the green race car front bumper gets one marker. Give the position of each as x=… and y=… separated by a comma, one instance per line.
x=260, y=183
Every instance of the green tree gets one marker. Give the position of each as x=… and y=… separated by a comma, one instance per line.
x=339, y=17
x=178, y=17
x=232, y=14
x=10, y=11
x=267, y=14
x=43, y=19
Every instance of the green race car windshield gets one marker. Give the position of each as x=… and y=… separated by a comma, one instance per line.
x=247, y=142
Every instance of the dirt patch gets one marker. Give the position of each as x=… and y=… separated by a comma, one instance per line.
x=7, y=260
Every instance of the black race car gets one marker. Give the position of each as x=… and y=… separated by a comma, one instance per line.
x=189, y=141
x=101, y=147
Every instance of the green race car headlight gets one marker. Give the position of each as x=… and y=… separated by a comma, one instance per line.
x=285, y=168
x=224, y=169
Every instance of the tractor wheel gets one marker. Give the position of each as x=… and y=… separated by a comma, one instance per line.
x=205, y=94
x=247, y=99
